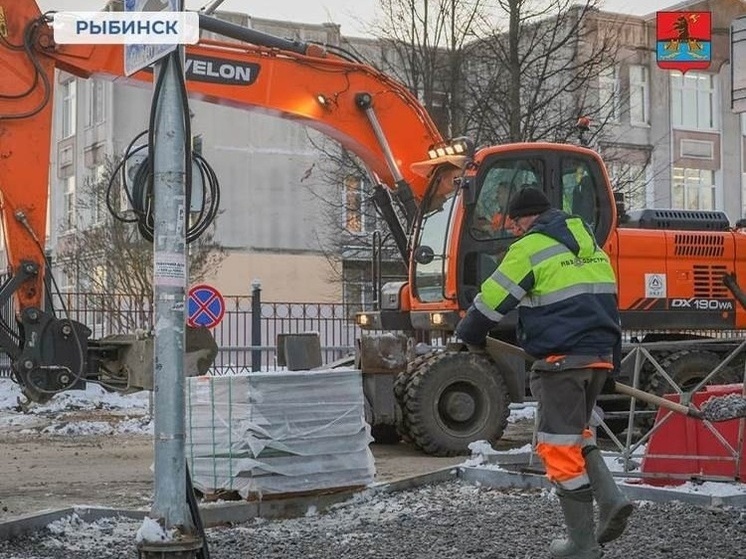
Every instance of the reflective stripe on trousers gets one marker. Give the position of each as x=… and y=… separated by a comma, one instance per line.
x=565, y=404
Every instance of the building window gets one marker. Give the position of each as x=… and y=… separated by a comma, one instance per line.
x=632, y=181
x=693, y=189
x=694, y=101
x=97, y=191
x=69, y=217
x=353, y=218
x=357, y=289
x=66, y=282
x=96, y=104
x=608, y=94
x=68, y=108
x=639, y=102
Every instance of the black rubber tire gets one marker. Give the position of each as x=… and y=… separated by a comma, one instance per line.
x=687, y=368
x=400, y=389
x=453, y=399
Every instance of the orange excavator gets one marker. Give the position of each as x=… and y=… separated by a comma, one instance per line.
x=676, y=268
x=366, y=111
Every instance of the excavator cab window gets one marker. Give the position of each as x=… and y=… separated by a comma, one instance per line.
x=430, y=255
x=500, y=184
x=489, y=229
x=579, y=191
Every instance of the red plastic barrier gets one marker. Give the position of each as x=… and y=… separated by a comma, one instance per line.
x=693, y=442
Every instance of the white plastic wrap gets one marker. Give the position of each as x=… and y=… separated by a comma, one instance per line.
x=279, y=432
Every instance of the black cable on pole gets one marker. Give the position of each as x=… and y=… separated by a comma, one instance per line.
x=139, y=191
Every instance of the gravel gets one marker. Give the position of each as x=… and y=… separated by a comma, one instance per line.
x=723, y=408
x=443, y=521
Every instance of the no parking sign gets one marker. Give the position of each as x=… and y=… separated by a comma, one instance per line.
x=206, y=306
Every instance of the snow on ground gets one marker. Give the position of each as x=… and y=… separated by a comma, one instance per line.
x=130, y=414
x=65, y=413
x=132, y=410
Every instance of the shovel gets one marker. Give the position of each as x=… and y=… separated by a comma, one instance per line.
x=717, y=408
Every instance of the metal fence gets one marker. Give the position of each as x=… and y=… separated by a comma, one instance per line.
x=242, y=340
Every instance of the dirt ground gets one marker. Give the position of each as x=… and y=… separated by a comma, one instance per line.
x=42, y=471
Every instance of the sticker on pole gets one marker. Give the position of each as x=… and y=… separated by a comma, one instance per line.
x=206, y=306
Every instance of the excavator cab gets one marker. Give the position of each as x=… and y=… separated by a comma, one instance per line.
x=458, y=247
x=448, y=396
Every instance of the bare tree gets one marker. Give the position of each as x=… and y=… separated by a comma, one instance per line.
x=424, y=45
x=537, y=67
x=356, y=234
x=497, y=71
x=110, y=261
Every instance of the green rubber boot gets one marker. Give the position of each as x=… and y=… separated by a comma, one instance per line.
x=580, y=543
x=613, y=507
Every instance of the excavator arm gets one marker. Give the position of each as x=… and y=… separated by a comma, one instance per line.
x=366, y=111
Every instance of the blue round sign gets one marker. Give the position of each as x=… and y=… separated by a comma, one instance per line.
x=206, y=306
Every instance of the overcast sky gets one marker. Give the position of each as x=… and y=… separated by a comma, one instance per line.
x=350, y=14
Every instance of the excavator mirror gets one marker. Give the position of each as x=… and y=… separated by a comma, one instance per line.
x=466, y=184
x=621, y=209
x=424, y=254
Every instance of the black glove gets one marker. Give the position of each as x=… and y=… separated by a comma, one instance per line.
x=474, y=327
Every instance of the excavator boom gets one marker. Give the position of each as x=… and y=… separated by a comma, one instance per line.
x=367, y=112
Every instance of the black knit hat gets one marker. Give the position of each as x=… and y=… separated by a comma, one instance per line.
x=528, y=201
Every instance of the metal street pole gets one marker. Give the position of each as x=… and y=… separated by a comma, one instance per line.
x=170, y=506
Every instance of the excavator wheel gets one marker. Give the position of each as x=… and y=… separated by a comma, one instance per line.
x=453, y=399
x=400, y=389
x=687, y=368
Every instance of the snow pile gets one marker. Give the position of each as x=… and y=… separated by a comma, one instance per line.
x=522, y=412
x=94, y=397
x=93, y=411
x=73, y=535
x=151, y=531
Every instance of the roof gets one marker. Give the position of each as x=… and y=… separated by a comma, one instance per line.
x=425, y=168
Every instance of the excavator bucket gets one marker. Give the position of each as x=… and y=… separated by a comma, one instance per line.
x=382, y=353
x=131, y=364
x=509, y=358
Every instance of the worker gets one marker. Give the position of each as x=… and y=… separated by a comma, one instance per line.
x=565, y=291
x=500, y=220
x=491, y=215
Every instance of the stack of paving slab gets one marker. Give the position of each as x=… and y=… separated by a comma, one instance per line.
x=271, y=433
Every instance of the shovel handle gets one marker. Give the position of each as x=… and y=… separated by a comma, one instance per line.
x=657, y=400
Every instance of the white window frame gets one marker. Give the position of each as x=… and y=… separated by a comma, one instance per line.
x=639, y=95
x=609, y=93
x=693, y=183
x=69, y=215
x=695, y=102
x=69, y=108
x=96, y=113
x=358, y=292
x=98, y=195
x=67, y=283
x=356, y=217
x=632, y=180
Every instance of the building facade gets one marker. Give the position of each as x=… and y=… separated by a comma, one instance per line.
x=671, y=141
x=272, y=223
